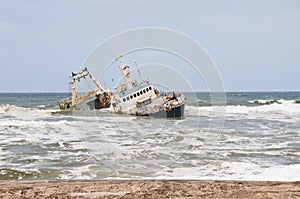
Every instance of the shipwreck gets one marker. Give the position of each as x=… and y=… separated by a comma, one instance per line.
x=131, y=97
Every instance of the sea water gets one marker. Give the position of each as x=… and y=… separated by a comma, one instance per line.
x=259, y=140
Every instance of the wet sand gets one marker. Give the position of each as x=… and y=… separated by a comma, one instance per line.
x=148, y=189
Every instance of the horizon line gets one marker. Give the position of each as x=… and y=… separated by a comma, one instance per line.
x=226, y=91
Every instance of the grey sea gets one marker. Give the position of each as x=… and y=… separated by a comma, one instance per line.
x=259, y=140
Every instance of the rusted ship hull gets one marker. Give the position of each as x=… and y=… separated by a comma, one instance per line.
x=174, y=112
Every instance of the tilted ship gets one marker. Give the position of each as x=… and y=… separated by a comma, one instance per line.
x=102, y=96
x=131, y=97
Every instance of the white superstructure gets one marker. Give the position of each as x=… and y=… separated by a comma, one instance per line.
x=129, y=96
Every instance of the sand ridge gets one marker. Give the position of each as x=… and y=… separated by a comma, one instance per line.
x=148, y=189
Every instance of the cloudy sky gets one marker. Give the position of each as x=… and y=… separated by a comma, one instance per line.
x=255, y=44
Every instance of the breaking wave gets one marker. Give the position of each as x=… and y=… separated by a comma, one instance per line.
x=264, y=102
x=260, y=141
x=25, y=112
x=271, y=101
x=282, y=109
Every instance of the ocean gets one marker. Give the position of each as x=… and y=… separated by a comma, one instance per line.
x=259, y=140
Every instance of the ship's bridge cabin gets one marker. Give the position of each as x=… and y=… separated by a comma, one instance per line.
x=140, y=95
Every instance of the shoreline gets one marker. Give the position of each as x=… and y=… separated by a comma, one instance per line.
x=149, y=189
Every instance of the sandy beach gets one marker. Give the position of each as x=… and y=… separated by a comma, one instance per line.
x=148, y=189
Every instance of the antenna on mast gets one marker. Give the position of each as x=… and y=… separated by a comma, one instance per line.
x=118, y=59
x=138, y=69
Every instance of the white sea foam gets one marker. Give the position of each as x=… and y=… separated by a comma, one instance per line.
x=233, y=171
x=213, y=171
x=32, y=123
x=4, y=108
x=83, y=172
x=262, y=101
x=280, y=173
x=25, y=113
x=271, y=101
x=283, y=107
x=141, y=142
x=284, y=110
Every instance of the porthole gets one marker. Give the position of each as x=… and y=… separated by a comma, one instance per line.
x=131, y=96
x=134, y=95
x=150, y=88
x=141, y=92
x=127, y=98
x=138, y=94
x=144, y=91
x=124, y=100
x=147, y=89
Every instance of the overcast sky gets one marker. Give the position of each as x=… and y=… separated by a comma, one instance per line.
x=255, y=44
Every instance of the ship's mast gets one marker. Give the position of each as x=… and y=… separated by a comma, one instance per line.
x=73, y=92
x=77, y=99
x=125, y=73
